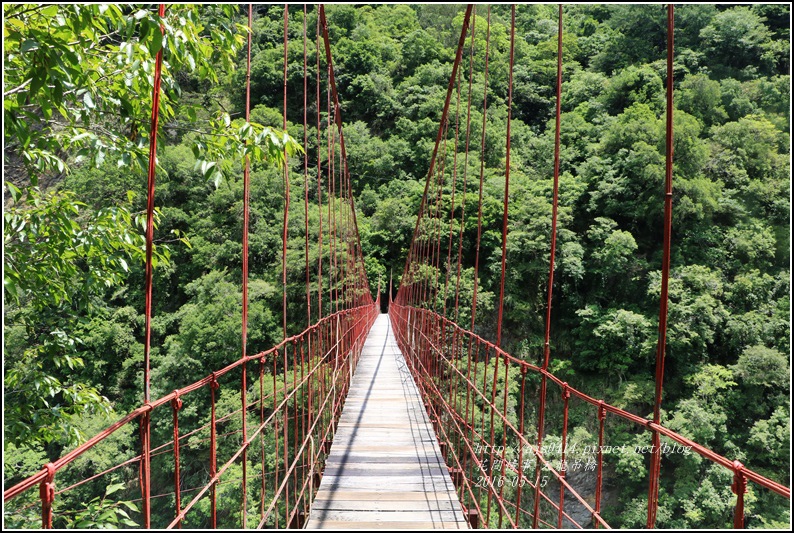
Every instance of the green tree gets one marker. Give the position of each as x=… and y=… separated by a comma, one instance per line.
x=57, y=261
x=700, y=96
x=735, y=41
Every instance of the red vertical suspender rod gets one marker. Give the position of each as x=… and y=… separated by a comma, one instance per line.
x=319, y=185
x=504, y=241
x=465, y=169
x=306, y=173
x=550, y=289
x=286, y=187
x=444, y=113
x=345, y=173
x=454, y=188
x=507, y=175
x=246, y=220
x=145, y=419
x=482, y=171
x=653, y=489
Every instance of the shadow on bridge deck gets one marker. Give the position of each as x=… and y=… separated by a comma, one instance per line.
x=385, y=468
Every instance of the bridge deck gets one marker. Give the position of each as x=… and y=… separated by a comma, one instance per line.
x=385, y=468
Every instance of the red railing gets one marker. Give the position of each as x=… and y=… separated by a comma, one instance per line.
x=302, y=381
x=476, y=396
x=309, y=374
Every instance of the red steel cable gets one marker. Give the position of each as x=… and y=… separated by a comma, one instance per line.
x=653, y=489
x=146, y=429
x=246, y=222
x=507, y=174
x=306, y=172
x=521, y=419
x=286, y=186
x=482, y=171
x=342, y=231
x=333, y=205
x=465, y=171
x=454, y=188
x=331, y=197
x=432, y=220
x=450, y=87
x=319, y=186
x=344, y=171
x=158, y=69
x=550, y=288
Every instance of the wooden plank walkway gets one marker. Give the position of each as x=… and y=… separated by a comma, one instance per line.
x=385, y=468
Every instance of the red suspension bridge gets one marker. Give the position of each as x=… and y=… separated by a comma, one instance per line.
x=447, y=418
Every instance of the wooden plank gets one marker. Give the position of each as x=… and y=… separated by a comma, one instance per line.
x=383, y=495
x=386, y=516
x=385, y=462
x=422, y=474
x=385, y=468
x=329, y=524
x=386, y=505
x=353, y=483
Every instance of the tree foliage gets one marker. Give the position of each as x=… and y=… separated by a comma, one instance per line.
x=76, y=113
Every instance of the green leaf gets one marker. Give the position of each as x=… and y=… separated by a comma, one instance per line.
x=36, y=83
x=28, y=46
x=57, y=91
x=156, y=43
x=114, y=488
x=129, y=505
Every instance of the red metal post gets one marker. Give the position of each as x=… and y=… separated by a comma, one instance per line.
x=275, y=428
x=47, y=496
x=739, y=488
x=524, y=370
x=176, y=405
x=504, y=438
x=566, y=396
x=602, y=416
x=262, y=433
x=214, y=385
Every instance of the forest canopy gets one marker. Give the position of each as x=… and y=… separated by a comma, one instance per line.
x=77, y=99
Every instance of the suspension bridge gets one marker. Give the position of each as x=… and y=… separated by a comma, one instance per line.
x=364, y=420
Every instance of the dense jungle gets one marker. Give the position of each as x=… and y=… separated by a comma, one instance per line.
x=77, y=99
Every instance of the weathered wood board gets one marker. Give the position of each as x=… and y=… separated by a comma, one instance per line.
x=385, y=469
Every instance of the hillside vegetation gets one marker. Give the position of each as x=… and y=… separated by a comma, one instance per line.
x=74, y=299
